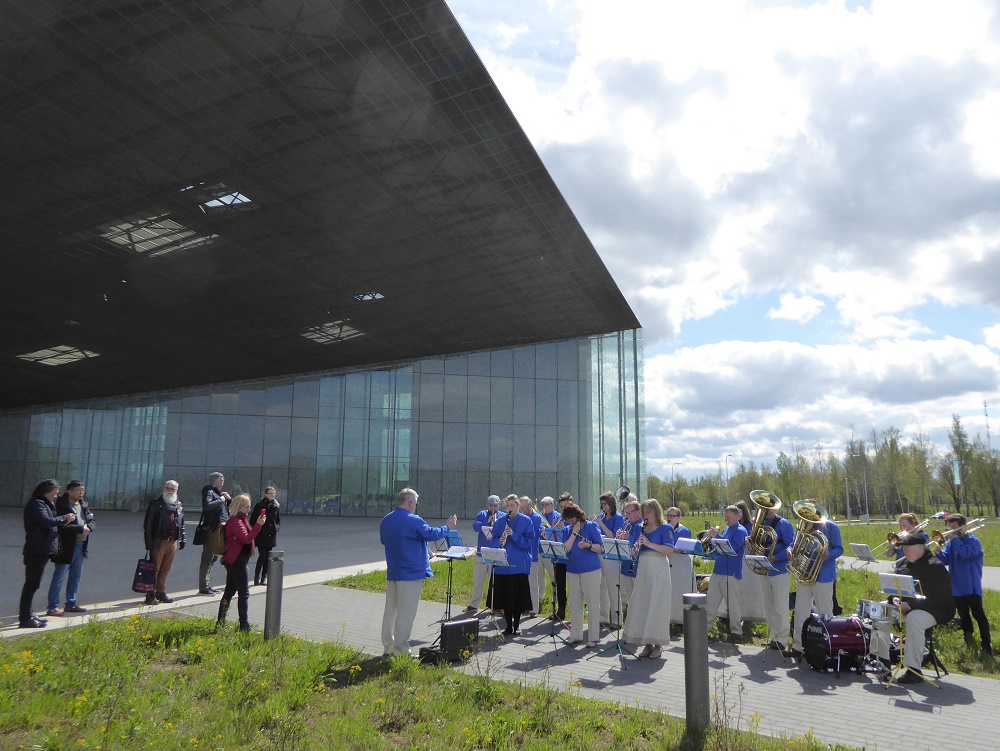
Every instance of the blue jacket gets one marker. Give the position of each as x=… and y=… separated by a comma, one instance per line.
x=536, y=523
x=786, y=536
x=482, y=520
x=633, y=536
x=732, y=566
x=614, y=523
x=518, y=546
x=405, y=537
x=40, y=523
x=964, y=558
x=213, y=507
x=828, y=571
x=582, y=560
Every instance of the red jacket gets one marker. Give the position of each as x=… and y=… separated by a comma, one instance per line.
x=239, y=533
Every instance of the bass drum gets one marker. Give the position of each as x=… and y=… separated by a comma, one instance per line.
x=830, y=644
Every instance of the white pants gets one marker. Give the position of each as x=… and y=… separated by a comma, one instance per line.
x=628, y=585
x=585, y=587
x=401, y=600
x=776, y=605
x=806, y=595
x=533, y=585
x=610, y=570
x=917, y=622
x=543, y=567
x=480, y=573
x=722, y=587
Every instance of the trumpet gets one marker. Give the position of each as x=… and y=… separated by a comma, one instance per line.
x=623, y=532
x=939, y=539
x=636, y=547
x=705, y=538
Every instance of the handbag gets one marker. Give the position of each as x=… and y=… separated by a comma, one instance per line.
x=145, y=576
x=219, y=540
x=200, y=533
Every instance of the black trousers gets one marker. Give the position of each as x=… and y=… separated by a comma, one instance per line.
x=34, y=567
x=237, y=582
x=559, y=569
x=260, y=570
x=969, y=607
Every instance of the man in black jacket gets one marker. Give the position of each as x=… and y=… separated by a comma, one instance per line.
x=163, y=530
x=74, y=540
x=935, y=607
x=214, y=511
x=40, y=544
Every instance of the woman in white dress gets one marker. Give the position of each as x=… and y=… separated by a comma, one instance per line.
x=648, y=621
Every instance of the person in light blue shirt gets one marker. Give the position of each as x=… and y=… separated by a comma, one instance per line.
x=963, y=554
x=585, y=551
x=515, y=533
x=609, y=521
x=728, y=571
x=405, y=536
x=483, y=527
x=777, y=584
x=819, y=593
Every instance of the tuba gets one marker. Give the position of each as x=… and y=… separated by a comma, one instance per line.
x=762, y=537
x=805, y=557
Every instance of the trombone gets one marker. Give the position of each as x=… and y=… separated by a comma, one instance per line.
x=893, y=537
x=939, y=539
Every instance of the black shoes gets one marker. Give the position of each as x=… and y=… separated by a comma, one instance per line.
x=792, y=652
x=912, y=676
x=162, y=597
x=208, y=591
x=150, y=599
x=33, y=622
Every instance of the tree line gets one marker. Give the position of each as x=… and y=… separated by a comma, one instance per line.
x=880, y=475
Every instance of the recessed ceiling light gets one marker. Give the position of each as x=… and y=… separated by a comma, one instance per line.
x=217, y=197
x=334, y=331
x=153, y=235
x=59, y=355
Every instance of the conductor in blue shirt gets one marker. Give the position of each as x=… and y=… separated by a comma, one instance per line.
x=405, y=536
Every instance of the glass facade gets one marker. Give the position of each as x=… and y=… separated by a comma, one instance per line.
x=537, y=420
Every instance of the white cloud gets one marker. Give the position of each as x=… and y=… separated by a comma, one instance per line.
x=796, y=308
x=508, y=34
x=991, y=335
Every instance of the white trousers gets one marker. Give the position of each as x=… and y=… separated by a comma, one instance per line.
x=917, y=622
x=722, y=587
x=610, y=571
x=819, y=594
x=628, y=585
x=480, y=573
x=401, y=600
x=776, y=590
x=533, y=585
x=584, y=587
x=543, y=567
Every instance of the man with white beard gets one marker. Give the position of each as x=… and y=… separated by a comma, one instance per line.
x=163, y=529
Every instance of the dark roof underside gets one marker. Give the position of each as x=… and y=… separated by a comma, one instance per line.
x=189, y=187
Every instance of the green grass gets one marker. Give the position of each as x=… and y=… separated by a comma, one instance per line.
x=875, y=533
x=170, y=683
x=853, y=585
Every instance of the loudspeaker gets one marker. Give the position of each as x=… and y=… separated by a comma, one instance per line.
x=458, y=636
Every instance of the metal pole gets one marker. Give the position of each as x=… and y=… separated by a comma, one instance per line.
x=272, y=605
x=696, y=694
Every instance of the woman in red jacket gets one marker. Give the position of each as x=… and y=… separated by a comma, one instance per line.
x=240, y=535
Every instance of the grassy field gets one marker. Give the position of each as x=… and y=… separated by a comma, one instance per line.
x=168, y=683
x=853, y=585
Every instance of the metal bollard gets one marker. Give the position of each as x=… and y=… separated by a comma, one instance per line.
x=272, y=603
x=696, y=694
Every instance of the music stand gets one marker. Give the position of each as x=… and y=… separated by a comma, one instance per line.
x=863, y=553
x=759, y=564
x=621, y=551
x=901, y=585
x=556, y=552
x=494, y=558
x=450, y=548
x=722, y=547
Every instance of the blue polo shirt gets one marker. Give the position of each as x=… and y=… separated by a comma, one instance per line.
x=732, y=566
x=518, y=545
x=786, y=536
x=828, y=571
x=405, y=537
x=964, y=558
x=582, y=560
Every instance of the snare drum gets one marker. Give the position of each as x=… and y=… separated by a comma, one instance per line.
x=870, y=610
x=831, y=643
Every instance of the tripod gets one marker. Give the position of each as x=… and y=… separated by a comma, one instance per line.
x=555, y=552
x=619, y=551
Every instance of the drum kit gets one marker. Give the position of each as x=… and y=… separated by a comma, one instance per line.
x=830, y=644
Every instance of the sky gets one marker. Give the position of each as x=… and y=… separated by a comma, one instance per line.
x=800, y=201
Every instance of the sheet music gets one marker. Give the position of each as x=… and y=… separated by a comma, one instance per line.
x=863, y=552
x=458, y=553
x=759, y=563
x=722, y=547
x=899, y=585
x=685, y=544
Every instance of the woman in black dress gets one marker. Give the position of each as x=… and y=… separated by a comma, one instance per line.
x=268, y=536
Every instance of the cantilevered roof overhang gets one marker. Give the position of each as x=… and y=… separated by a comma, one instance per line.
x=206, y=191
